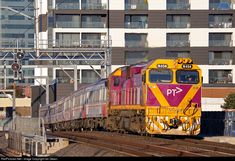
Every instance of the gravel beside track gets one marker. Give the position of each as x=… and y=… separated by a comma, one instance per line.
x=85, y=150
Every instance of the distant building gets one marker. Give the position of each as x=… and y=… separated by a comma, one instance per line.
x=141, y=30
x=16, y=30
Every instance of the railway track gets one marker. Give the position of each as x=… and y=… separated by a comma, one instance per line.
x=8, y=153
x=133, y=145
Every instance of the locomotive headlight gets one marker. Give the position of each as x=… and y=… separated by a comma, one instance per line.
x=185, y=61
x=190, y=61
x=179, y=60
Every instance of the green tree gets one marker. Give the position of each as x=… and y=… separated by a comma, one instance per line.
x=229, y=101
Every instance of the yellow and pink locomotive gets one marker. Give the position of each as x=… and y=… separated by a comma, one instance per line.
x=162, y=96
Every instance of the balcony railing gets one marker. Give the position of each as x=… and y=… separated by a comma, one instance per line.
x=178, y=24
x=67, y=24
x=220, y=6
x=137, y=6
x=80, y=43
x=67, y=6
x=179, y=43
x=136, y=44
x=136, y=25
x=94, y=6
x=220, y=80
x=221, y=62
x=93, y=25
x=178, y=6
x=220, y=24
x=220, y=43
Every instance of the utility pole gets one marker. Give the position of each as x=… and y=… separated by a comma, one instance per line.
x=5, y=74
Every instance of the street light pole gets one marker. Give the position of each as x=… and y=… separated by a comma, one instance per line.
x=5, y=74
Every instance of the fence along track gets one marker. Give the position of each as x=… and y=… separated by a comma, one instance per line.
x=127, y=145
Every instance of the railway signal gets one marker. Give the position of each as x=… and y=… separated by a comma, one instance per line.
x=20, y=55
x=17, y=64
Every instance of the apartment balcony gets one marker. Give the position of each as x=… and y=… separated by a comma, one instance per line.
x=92, y=43
x=67, y=43
x=137, y=6
x=220, y=80
x=136, y=25
x=68, y=6
x=220, y=24
x=220, y=43
x=136, y=44
x=178, y=6
x=93, y=25
x=220, y=6
x=178, y=25
x=178, y=43
x=94, y=6
x=67, y=24
x=221, y=62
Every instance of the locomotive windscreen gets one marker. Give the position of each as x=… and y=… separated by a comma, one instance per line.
x=187, y=76
x=160, y=76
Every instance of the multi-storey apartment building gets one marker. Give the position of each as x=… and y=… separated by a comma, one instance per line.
x=141, y=30
x=16, y=31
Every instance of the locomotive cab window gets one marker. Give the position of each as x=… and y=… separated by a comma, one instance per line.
x=187, y=76
x=160, y=76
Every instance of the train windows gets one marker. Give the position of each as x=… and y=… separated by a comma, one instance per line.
x=160, y=75
x=1, y=109
x=116, y=81
x=187, y=76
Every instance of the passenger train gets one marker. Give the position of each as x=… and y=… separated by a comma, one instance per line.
x=162, y=96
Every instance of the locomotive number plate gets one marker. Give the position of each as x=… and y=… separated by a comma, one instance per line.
x=162, y=65
x=187, y=66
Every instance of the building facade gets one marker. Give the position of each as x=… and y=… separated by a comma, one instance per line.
x=142, y=30
x=16, y=32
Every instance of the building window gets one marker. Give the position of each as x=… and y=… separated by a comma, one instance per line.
x=16, y=17
x=178, y=21
x=68, y=4
x=178, y=5
x=67, y=21
x=178, y=54
x=178, y=40
x=220, y=39
x=136, y=4
x=220, y=58
x=220, y=4
x=136, y=21
x=220, y=76
x=220, y=21
x=136, y=40
x=133, y=57
x=93, y=5
x=63, y=76
x=91, y=40
x=90, y=76
x=67, y=39
x=94, y=21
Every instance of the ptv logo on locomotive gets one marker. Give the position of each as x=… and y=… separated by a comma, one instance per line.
x=173, y=91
